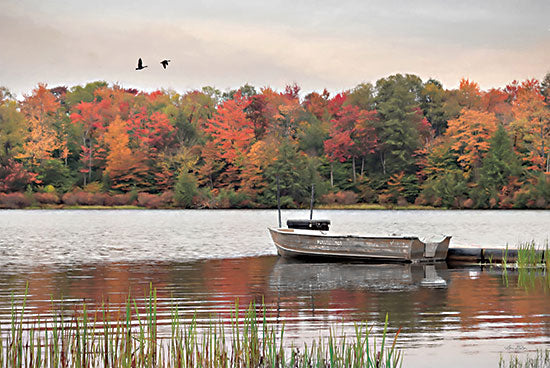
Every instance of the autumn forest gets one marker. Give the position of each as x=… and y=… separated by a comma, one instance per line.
x=398, y=142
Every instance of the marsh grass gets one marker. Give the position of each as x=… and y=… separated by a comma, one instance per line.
x=129, y=338
x=532, y=265
x=526, y=255
x=541, y=359
x=529, y=256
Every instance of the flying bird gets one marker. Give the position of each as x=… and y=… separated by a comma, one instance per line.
x=140, y=65
x=165, y=63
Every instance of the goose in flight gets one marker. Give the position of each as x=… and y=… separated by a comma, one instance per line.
x=140, y=65
x=165, y=63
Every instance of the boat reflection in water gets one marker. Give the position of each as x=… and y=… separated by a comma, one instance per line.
x=294, y=275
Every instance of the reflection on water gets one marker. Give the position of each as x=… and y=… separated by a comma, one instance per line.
x=473, y=315
x=289, y=275
x=203, y=261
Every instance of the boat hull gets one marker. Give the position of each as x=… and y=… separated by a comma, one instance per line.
x=311, y=243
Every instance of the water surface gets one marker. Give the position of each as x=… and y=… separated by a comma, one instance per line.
x=205, y=260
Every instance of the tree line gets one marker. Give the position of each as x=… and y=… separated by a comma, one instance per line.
x=398, y=141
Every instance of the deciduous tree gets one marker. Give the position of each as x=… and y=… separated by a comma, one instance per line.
x=531, y=125
x=398, y=126
x=469, y=135
x=126, y=168
x=12, y=131
x=232, y=133
x=40, y=110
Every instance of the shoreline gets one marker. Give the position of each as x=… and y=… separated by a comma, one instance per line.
x=351, y=207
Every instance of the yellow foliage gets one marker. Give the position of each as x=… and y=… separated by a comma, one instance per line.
x=470, y=134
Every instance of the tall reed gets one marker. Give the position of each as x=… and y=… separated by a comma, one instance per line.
x=540, y=359
x=529, y=256
x=130, y=339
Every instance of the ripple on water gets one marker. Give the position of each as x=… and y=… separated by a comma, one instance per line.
x=203, y=261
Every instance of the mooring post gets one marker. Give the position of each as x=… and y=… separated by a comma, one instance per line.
x=279, y=201
x=312, y=200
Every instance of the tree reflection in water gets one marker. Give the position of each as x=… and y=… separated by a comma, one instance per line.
x=467, y=310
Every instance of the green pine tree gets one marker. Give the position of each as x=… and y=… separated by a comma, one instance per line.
x=500, y=163
x=397, y=130
x=185, y=189
x=296, y=173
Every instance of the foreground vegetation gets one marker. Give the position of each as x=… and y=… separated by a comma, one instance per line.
x=397, y=142
x=523, y=256
x=541, y=359
x=131, y=339
x=530, y=262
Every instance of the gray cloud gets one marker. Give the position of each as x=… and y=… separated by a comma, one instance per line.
x=311, y=43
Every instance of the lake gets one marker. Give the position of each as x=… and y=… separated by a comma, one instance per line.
x=205, y=260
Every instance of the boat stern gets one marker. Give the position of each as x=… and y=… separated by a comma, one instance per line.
x=427, y=251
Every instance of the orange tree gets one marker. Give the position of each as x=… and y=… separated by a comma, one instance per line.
x=531, y=126
x=469, y=135
x=232, y=134
x=126, y=168
x=40, y=110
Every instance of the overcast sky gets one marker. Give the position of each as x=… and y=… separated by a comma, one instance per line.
x=317, y=43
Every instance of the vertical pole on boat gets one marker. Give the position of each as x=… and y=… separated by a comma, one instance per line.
x=279, y=201
x=312, y=200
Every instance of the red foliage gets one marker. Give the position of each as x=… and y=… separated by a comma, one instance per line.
x=317, y=104
x=81, y=198
x=84, y=198
x=421, y=200
x=230, y=129
x=338, y=146
x=496, y=101
x=167, y=197
x=131, y=91
x=99, y=199
x=151, y=97
x=151, y=132
x=14, y=177
x=512, y=90
x=69, y=199
x=153, y=201
x=292, y=91
x=46, y=198
x=257, y=113
x=59, y=92
x=342, y=197
x=352, y=134
x=335, y=103
x=120, y=200
x=468, y=203
x=91, y=116
x=14, y=200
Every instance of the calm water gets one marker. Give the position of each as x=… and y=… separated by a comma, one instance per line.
x=204, y=260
